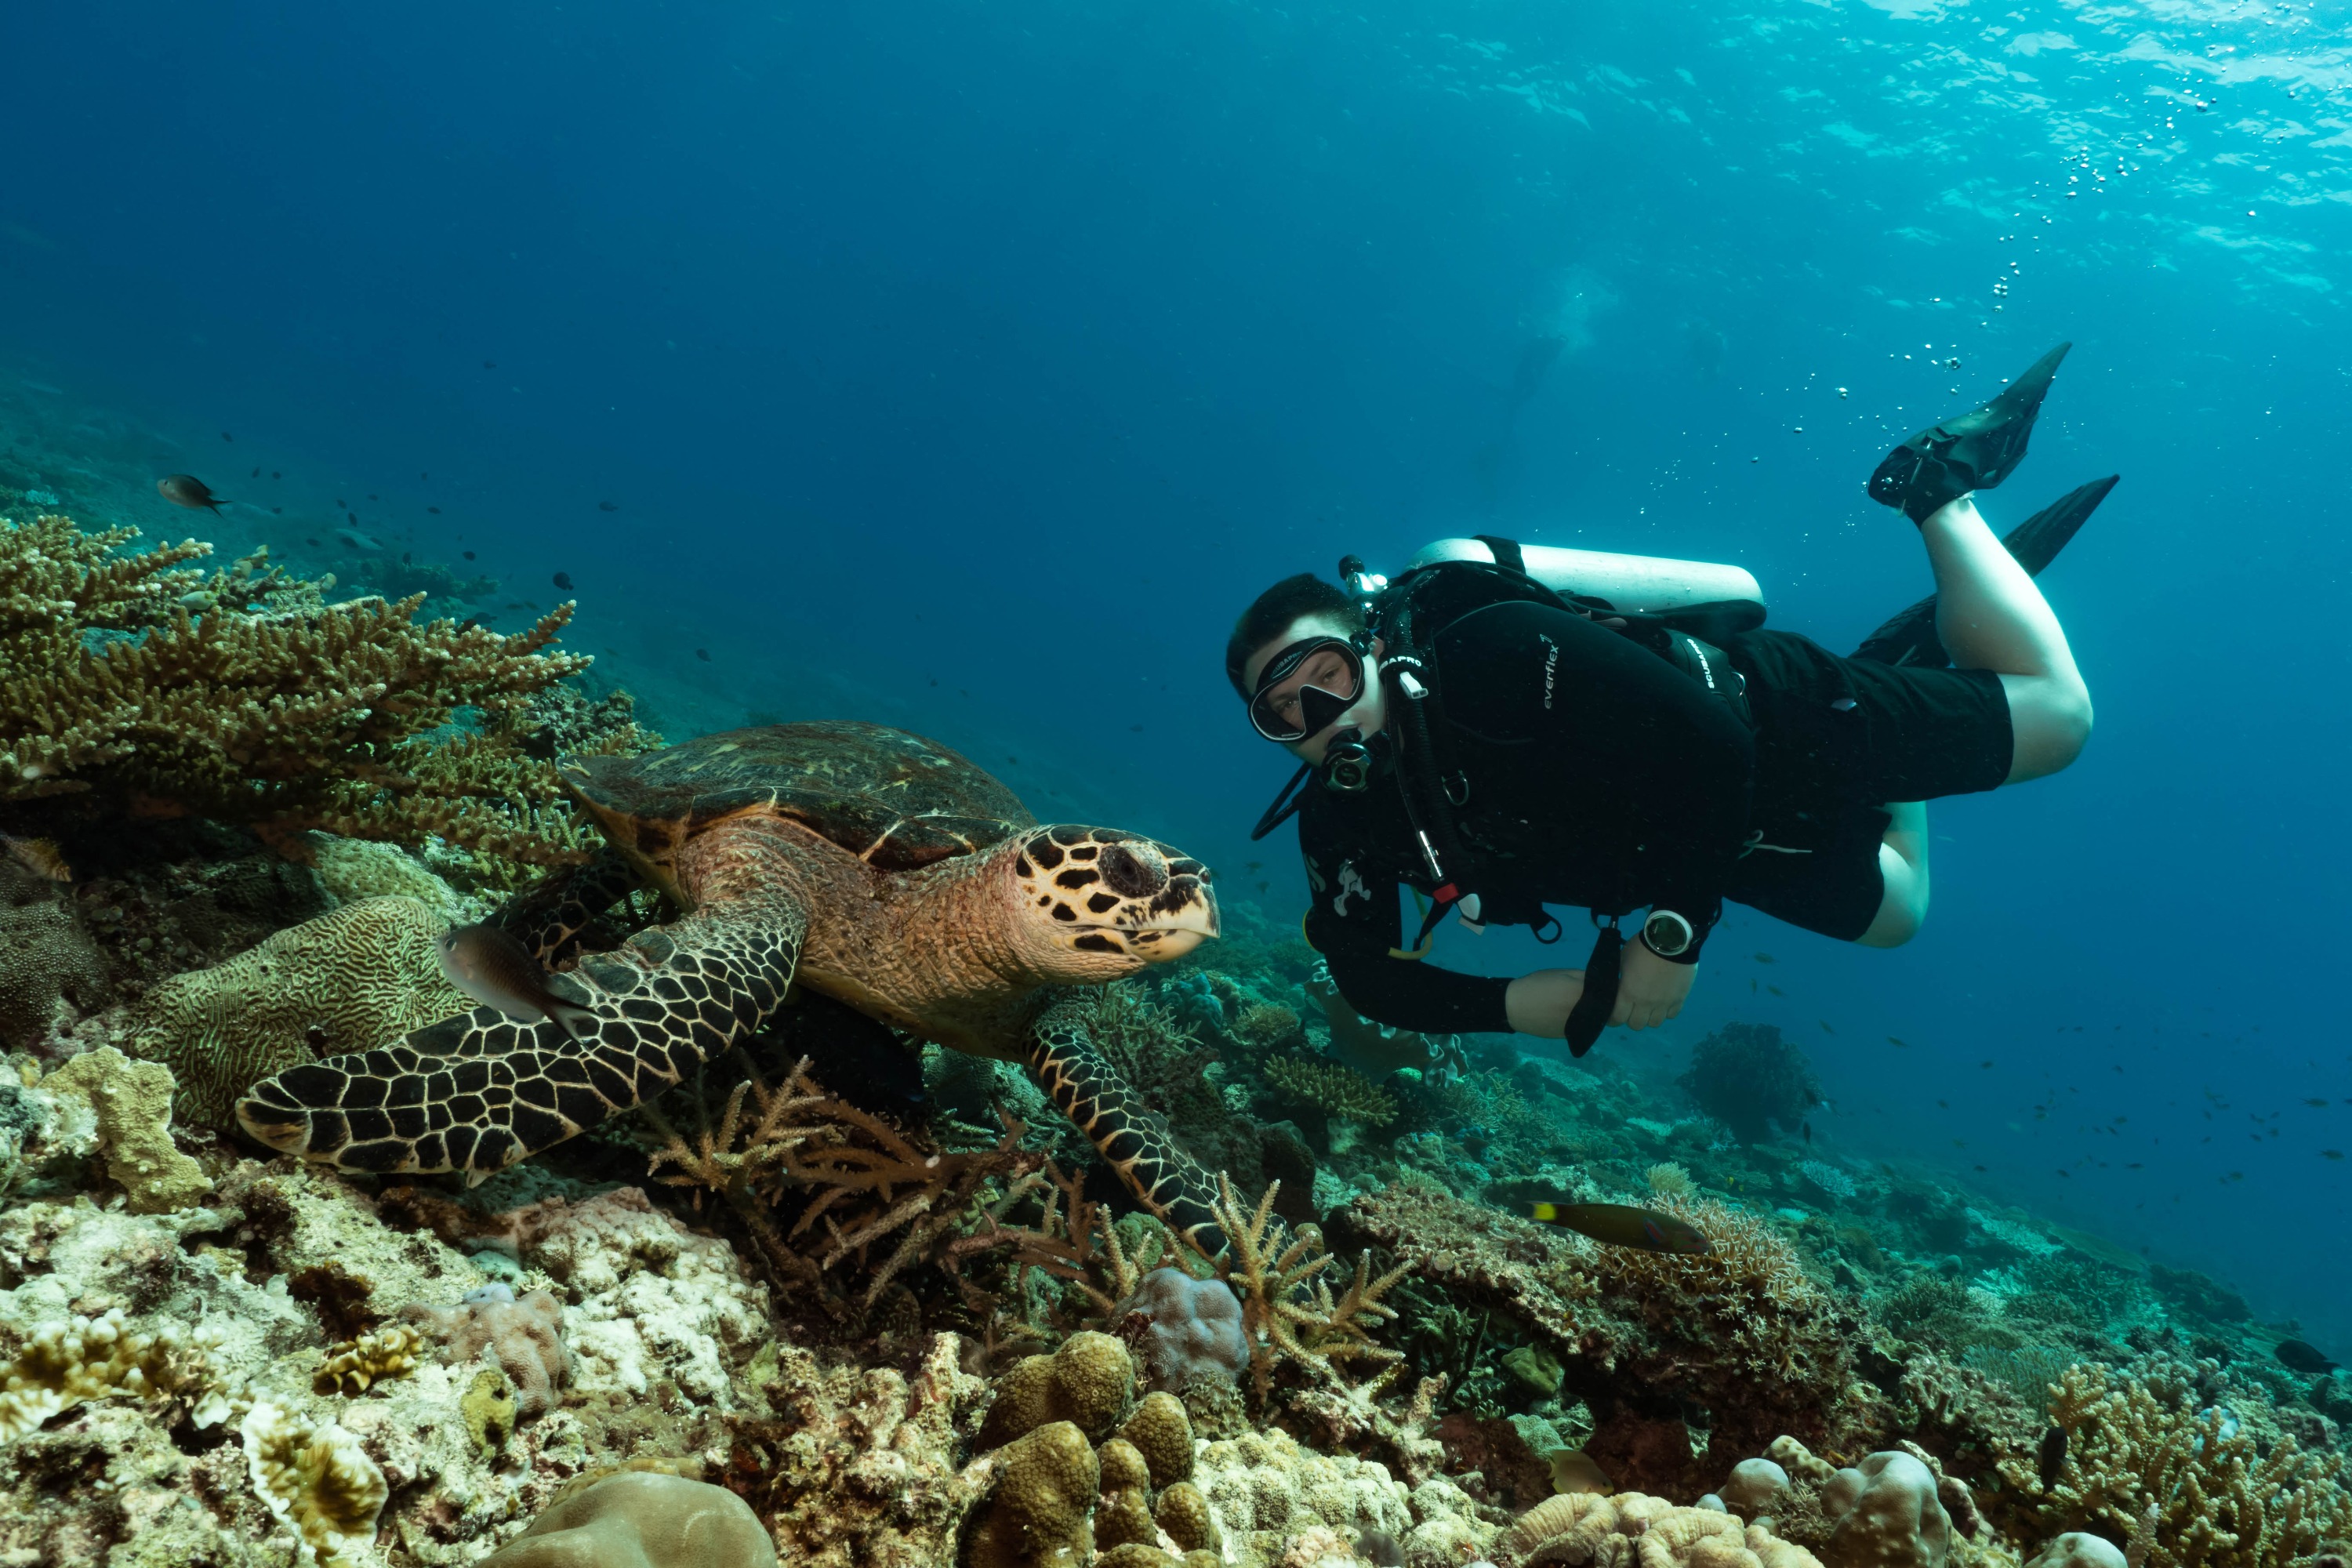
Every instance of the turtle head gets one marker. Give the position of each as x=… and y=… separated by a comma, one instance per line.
x=1094, y=903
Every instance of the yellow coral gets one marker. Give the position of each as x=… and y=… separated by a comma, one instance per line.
x=133, y=1101
x=65, y=1362
x=1631, y=1529
x=355, y=1364
x=1671, y=1181
x=2193, y=1485
x=242, y=696
x=1334, y=1089
x=351, y=979
x=317, y=1481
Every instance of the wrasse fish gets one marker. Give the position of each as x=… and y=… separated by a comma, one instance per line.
x=488, y=964
x=1623, y=1224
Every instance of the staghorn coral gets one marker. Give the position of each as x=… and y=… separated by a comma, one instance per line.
x=861, y=1183
x=355, y=1365
x=346, y=980
x=2193, y=1484
x=317, y=1481
x=65, y=1362
x=642, y=1519
x=1539, y=1275
x=142, y=685
x=524, y=1339
x=1630, y=1528
x=1262, y=1025
x=1289, y=1312
x=1333, y=1089
x=1670, y=1181
x=133, y=1104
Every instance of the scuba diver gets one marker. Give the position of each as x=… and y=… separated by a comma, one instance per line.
x=1506, y=727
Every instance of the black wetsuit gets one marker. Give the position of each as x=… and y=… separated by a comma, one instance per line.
x=1601, y=777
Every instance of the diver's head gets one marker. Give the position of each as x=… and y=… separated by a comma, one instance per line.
x=1304, y=661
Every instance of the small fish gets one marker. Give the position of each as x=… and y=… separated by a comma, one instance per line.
x=39, y=857
x=563, y=581
x=187, y=490
x=607, y=506
x=2304, y=1357
x=1807, y=1128
x=469, y=556
x=1623, y=1224
x=2315, y=1103
x=2050, y=1458
x=1899, y=1045
x=1776, y=991
x=1824, y=1023
x=489, y=365
x=1574, y=1470
x=1766, y=958
x=227, y=437
x=703, y=654
x=488, y=964
x=276, y=475
x=433, y=509
x=2331, y=1153
x=256, y=474
x=352, y=518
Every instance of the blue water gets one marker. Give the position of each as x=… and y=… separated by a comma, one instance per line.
x=968, y=366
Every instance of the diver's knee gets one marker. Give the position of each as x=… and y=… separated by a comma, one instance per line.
x=1902, y=903
x=2050, y=728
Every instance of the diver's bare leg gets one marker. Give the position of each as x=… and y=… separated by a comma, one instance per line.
x=1903, y=871
x=1992, y=616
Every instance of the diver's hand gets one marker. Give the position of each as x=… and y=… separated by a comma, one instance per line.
x=1538, y=1003
x=1650, y=989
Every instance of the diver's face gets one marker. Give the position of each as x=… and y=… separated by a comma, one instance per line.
x=1326, y=669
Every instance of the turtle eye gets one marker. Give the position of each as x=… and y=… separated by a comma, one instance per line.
x=1130, y=873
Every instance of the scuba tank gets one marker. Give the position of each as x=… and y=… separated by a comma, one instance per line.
x=1709, y=599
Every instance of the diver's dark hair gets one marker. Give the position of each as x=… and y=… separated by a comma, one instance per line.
x=1271, y=612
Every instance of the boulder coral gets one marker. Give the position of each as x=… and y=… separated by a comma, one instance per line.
x=1632, y=1529
x=642, y=1519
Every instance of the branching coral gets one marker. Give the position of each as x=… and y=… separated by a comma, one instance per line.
x=65, y=1362
x=1334, y=1089
x=2196, y=1484
x=863, y=1184
x=1289, y=1310
x=149, y=686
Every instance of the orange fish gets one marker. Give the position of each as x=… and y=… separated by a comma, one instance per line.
x=187, y=490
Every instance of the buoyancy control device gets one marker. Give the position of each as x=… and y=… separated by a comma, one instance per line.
x=1677, y=609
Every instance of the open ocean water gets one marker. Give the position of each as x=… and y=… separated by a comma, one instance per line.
x=968, y=366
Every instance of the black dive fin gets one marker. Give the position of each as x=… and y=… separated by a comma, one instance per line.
x=1909, y=638
x=1974, y=451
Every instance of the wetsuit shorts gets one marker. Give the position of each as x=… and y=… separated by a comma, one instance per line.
x=1837, y=740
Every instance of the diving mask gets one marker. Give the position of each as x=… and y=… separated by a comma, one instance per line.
x=1306, y=687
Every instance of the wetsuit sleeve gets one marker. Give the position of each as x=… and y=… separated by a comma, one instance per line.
x=1666, y=761
x=1357, y=926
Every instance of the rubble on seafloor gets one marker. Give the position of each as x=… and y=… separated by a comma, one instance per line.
x=845, y=1299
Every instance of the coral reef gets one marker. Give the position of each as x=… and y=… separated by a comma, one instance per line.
x=354, y=1365
x=365, y=972
x=51, y=963
x=317, y=1480
x=1190, y=1329
x=67, y=1362
x=132, y=1102
x=1631, y=1528
x=642, y=1521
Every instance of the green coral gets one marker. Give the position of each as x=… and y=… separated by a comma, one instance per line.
x=133, y=1101
x=1044, y=1496
x=1087, y=1383
x=488, y=1410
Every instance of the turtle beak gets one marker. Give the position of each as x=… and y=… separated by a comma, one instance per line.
x=1188, y=918
x=1116, y=899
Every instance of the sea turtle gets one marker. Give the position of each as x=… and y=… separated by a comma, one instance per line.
x=867, y=864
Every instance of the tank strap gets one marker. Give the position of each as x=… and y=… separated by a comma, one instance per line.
x=1508, y=553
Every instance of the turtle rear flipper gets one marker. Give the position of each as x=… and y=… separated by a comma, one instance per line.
x=1132, y=1139
x=480, y=1092
x=547, y=918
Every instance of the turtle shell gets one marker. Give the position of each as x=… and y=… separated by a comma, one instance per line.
x=895, y=800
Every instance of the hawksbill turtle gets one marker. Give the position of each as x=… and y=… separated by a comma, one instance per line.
x=867, y=864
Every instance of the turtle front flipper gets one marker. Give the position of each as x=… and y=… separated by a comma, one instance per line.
x=480, y=1092
x=546, y=919
x=1131, y=1139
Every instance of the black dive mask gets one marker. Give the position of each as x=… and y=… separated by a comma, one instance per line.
x=1304, y=688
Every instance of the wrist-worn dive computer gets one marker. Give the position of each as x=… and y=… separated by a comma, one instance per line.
x=1667, y=933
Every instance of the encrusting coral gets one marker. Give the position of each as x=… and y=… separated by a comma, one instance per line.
x=1631, y=1528
x=140, y=684
x=524, y=1338
x=317, y=1481
x=351, y=978
x=2192, y=1486
x=133, y=1102
x=1332, y=1088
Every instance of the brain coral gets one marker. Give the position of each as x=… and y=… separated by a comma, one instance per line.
x=343, y=982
